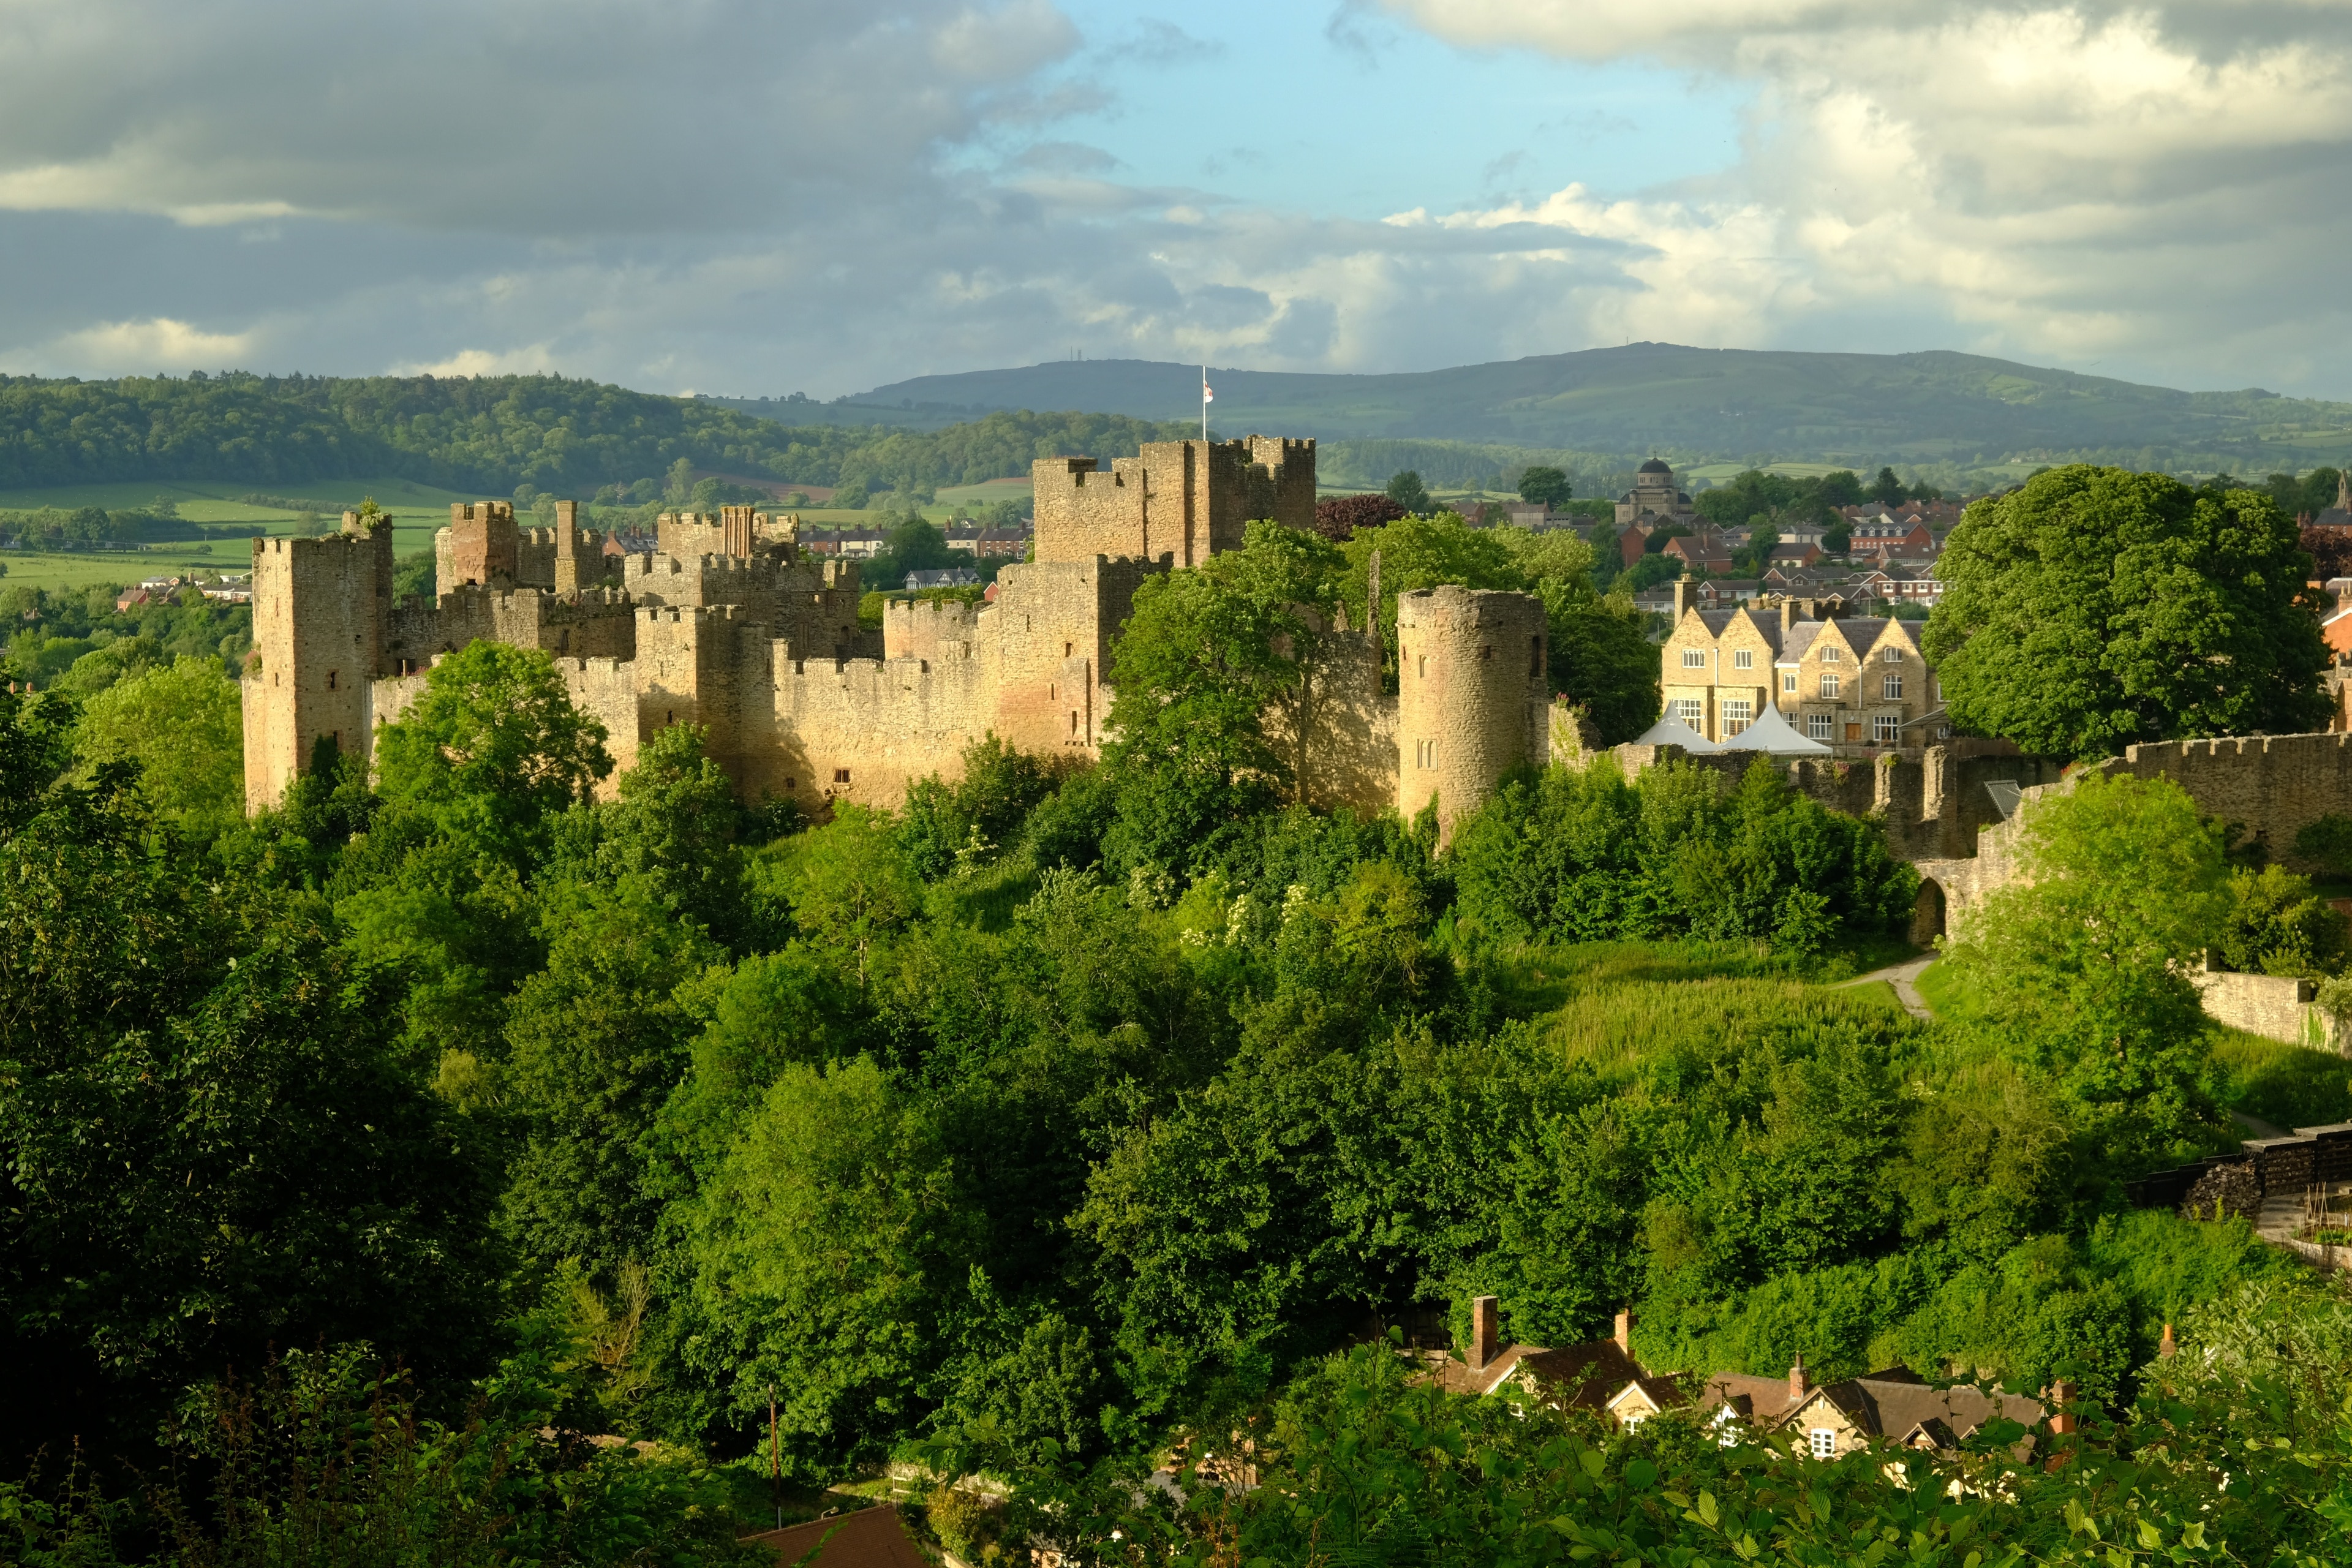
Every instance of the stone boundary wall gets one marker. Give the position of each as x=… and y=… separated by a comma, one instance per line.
x=2275, y=1007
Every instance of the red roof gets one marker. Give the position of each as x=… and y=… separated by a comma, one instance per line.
x=870, y=1538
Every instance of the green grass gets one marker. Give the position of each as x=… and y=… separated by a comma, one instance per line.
x=1947, y=995
x=2287, y=1086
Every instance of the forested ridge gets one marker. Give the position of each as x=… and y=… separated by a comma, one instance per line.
x=489, y=434
x=380, y=1167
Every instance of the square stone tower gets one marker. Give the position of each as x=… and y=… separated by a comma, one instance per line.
x=321, y=629
x=1185, y=498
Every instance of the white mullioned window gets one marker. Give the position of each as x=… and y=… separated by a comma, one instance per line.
x=1887, y=729
x=1891, y=688
x=1829, y=684
x=1691, y=710
x=1824, y=1443
x=1738, y=713
x=1743, y=658
x=1832, y=655
x=1694, y=658
x=1892, y=656
x=1788, y=681
x=1818, y=727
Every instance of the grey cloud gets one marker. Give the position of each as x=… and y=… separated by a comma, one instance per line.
x=545, y=117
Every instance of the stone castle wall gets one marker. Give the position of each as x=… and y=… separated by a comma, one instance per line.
x=728, y=627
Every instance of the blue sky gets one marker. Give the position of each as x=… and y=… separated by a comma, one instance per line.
x=1360, y=115
x=771, y=195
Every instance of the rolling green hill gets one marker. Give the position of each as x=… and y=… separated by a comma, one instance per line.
x=1696, y=404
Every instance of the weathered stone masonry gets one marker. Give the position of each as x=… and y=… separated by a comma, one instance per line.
x=728, y=624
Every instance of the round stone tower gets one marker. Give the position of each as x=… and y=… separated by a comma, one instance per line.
x=1472, y=696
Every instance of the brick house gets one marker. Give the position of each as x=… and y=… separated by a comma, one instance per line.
x=1841, y=680
x=1707, y=552
x=1579, y=1376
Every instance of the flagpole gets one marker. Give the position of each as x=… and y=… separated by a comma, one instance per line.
x=1204, y=405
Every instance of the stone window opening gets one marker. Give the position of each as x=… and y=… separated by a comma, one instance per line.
x=1421, y=665
x=1053, y=691
x=791, y=783
x=1891, y=688
x=331, y=680
x=1425, y=754
x=1789, y=682
x=1487, y=654
x=1743, y=658
x=841, y=776
x=1828, y=685
x=1073, y=721
x=1829, y=656
x=1535, y=656
x=1694, y=658
x=1068, y=648
x=1892, y=655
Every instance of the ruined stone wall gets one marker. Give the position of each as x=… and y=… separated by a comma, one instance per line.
x=322, y=630
x=1349, y=757
x=862, y=730
x=1472, y=700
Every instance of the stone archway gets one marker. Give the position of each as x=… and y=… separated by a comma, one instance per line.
x=1927, y=913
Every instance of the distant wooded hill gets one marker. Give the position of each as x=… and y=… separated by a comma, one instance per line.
x=1855, y=410
x=489, y=435
x=1953, y=418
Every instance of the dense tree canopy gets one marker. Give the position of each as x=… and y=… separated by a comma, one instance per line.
x=2094, y=608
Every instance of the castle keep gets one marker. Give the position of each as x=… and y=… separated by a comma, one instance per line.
x=729, y=625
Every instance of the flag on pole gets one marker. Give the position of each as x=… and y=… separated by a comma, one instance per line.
x=1206, y=395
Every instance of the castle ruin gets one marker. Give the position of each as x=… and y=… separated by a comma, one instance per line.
x=728, y=624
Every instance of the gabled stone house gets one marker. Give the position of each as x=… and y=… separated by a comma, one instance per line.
x=1841, y=680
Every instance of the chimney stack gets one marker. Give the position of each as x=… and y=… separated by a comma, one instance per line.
x=1798, y=1383
x=1682, y=595
x=1788, y=615
x=1625, y=1332
x=2060, y=1393
x=2166, y=1348
x=1485, y=1333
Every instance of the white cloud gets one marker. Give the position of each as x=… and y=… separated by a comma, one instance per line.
x=2166, y=184
x=535, y=359
x=144, y=347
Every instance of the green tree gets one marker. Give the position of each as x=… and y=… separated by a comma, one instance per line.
x=2096, y=608
x=597, y=1041
x=492, y=749
x=2085, y=961
x=1405, y=489
x=1888, y=489
x=183, y=725
x=1542, y=486
x=208, y=1145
